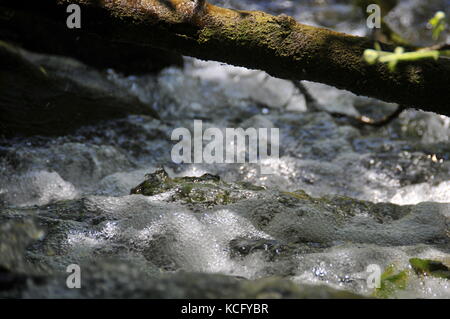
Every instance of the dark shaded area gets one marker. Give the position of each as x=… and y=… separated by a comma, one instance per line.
x=24, y=24
x=168, y=4
x=36, y=100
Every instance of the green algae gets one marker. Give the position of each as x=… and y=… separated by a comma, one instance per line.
x=428, y=267
x=155, y=183
x=391, y=282
x=299, y=194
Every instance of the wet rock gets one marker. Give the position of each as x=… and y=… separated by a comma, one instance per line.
x=36, y=188
x=15, y=235
x=245, y=246
x=207, y=189
x=16, y=271
x=79, y=164
x=55, y=95
x=122, y=280
x=119, y=184
x=406, y=167
x=259, y=234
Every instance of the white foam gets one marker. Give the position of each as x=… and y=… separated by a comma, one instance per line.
x=37, y=188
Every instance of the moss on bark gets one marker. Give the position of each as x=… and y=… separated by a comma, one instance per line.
x=276, y=44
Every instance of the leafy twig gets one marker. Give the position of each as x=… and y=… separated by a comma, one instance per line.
x=438, y=24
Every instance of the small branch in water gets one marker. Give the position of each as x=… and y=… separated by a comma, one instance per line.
x=311, y=102
x=382, y=122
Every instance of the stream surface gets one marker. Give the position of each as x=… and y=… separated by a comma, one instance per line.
x=369, y=196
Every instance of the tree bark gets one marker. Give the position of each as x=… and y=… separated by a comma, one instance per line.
x=276, y=44
x=39, y=34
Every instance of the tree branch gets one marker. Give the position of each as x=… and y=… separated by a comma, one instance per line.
x=276, y=44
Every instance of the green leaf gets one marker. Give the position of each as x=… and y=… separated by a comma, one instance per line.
x=438, y=24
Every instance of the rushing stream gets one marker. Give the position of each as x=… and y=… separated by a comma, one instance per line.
x=66, y=200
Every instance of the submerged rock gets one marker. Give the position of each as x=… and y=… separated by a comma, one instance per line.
x=124, y=280
x=187, y=232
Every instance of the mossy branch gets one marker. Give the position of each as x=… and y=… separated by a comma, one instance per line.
x=276, y=44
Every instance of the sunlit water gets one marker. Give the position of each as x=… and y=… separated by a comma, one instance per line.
x=406, y=163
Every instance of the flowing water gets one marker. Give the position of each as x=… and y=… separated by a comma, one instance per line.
x=75, y=189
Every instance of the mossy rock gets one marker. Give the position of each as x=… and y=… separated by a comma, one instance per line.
x=207, y=189
x=299, y=194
